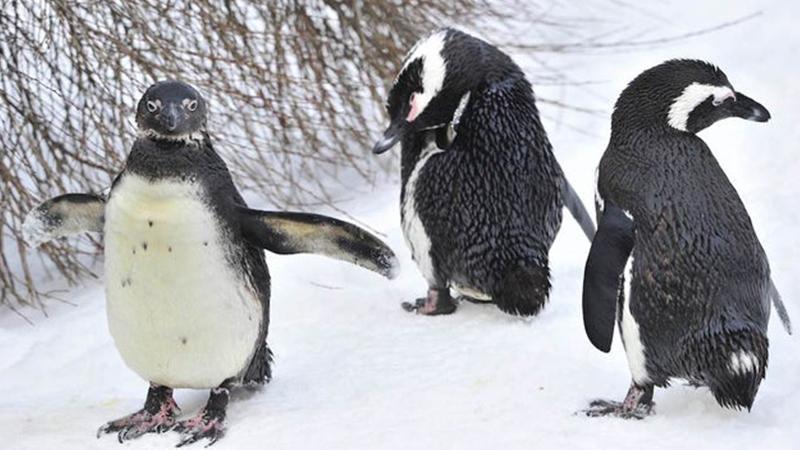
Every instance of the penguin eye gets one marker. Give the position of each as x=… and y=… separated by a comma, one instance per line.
x=152, y=106
x=717, y=101
x=191, y=105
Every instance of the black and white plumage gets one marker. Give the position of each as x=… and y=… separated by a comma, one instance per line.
x=187, y=283
x=676, y=261
x=482, y=192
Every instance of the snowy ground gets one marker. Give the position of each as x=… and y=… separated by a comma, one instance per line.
x=354, y=371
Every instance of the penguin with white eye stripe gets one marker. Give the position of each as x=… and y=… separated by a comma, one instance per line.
x=675, y=260
x=482, y=192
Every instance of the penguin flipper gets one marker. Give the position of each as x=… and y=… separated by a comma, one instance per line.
x=65, y=215
x=294, y=232
x=780, y=307
x=576, y=208
x=611, y=247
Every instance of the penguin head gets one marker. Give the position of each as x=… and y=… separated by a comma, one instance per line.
x=683, y=94
x=172, y=111
x=433, y=86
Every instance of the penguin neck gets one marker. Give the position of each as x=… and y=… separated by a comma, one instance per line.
x=414, y=148
x=502, y=117
x=655, y=146
x=157, y=158
x=194, y=138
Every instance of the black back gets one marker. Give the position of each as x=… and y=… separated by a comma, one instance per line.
x=700, y=275
x=491, y=201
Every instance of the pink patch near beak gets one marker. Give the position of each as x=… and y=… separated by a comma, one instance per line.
x=414, y=111
x=721, y=100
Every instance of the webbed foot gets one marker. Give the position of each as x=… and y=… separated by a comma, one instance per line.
x=638, y=404
x=157, y=416
x=438, y=302
x=209, y=423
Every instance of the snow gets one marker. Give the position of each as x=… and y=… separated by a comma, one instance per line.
x=355, y=371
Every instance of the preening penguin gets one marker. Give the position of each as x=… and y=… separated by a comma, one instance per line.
x=676, y=261
x=187, y=284
x=481, y=192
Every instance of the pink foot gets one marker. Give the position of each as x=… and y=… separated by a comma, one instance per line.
x=437, y=302
x=208, y=423
x=143, y=421
x=202, y=426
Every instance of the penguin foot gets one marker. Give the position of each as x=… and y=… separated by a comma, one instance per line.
x=602, y=408
x=208, y=423
x=157, y=416
x=438, y=302
x=638, y=404
x=202, y=426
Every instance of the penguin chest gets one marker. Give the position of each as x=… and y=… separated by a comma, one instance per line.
x=181, y=314
x=416, y=236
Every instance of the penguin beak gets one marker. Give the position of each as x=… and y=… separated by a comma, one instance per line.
x=170, y=117
x=391, y=137
x=748, y=109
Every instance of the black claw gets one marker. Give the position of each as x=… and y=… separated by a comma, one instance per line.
x=437, y=303
x=412, y=307
x=188, y=437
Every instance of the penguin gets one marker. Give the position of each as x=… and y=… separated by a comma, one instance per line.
x=675, y=260
x=482, y=192
x=186, y=280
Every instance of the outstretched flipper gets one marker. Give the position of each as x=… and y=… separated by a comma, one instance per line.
x=576, y=208
x=293, y=232
x=611, y=247
x=65, y=215
x=780, y=307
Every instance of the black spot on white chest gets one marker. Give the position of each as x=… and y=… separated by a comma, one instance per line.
x=169, y=279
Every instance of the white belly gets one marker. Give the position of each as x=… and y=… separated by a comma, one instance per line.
x=413, y=230
x=179, y=314
x=634, y=349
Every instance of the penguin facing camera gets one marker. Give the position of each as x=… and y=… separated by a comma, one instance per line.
x=186, y=281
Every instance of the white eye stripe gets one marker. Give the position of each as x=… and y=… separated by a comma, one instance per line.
x=692, y=96
x=426, y=46
x=434, y=67
x=720, y=97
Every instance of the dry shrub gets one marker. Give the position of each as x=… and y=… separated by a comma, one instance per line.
x=296, y=91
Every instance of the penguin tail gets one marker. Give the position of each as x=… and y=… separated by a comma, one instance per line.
x=575, y=207
x=524, y=291
x=736, y=375
x=260, y=369
x=777, y=301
